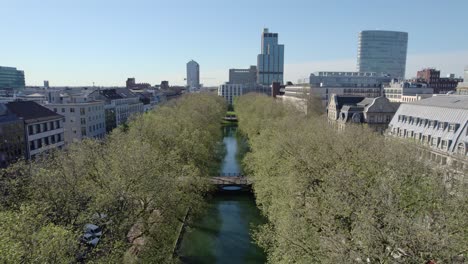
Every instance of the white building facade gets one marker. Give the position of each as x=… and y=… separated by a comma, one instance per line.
x=440, y=123
x=230, y=91
x=404, y=92
x=82, y=119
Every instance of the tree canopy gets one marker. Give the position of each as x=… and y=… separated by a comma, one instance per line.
x=334, y=196
x=137, y=185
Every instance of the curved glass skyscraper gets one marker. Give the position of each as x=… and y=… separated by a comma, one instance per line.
x=383, y=51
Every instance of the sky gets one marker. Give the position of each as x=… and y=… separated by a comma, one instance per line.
x=81, y=42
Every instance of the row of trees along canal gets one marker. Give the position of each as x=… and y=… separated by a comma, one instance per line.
x=136, y=185
x=348, y=196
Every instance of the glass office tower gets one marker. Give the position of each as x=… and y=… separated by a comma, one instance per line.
x=11, y=78
x=193, y=75
x=383, y=51
x=270, y=63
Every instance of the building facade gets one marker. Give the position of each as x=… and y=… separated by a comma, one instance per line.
x=376, y=113
x=348, y=79
x=11, y=78
x=440, y=123
x=440, y=85
x=119, y=105
x=43, y=128
x=193, y=75
x=230, y=91
x=243, y=76
x=83, y=117
x=403, y=91
x=462, y=87
x=270, y=62
x=12, y=146
x=383, y=51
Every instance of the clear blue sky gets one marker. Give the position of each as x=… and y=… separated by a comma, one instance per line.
x=77, y=42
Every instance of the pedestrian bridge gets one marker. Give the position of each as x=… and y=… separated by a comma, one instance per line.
x=229, y=180
x=231, y=118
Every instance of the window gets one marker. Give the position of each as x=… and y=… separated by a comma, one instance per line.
x=441, y=125
x=46, y=141
x=432, y=123
x=52, y=139
x=30, y=130
x=452, y=127
x=39, y=143
x=59, y=137
x=83, y=121
x=63, y=110
x=57, y=123
x=82, y=111
x=461, y=149
x=435, y=141
x=55, y=110
x=52, y=126
x=83, y=131
x=32, y=145
x=72, y=110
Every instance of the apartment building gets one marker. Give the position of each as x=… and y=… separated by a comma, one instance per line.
x=43, y=128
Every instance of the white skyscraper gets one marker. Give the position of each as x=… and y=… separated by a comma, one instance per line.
x=270, y=63
x=193, y=75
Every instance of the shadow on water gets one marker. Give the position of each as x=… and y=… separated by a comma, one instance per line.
x=223, y=233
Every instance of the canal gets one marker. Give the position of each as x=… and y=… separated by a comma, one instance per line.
x=223, y=233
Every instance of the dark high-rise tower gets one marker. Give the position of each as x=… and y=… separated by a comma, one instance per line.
x=270, y=63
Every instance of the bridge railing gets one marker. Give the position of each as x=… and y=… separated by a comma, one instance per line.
x=233, y=174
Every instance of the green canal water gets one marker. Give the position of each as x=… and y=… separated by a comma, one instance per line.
x=223, y=233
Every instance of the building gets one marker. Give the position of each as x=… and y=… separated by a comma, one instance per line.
x=243, y=76
x=193, y=75
x=43, y=128
x=83, y=116
x=365, y=84
x=403, y=91
x=230, y=91
x=270, y=63
x=12, y=146
x=376, y=113
x=440, y=123
x=382, y=51
x=131, y=84
x=11, y=78
x=440, y=85
x=462, y=87
x=119, y=105
x=348, y=79
x=46, y=84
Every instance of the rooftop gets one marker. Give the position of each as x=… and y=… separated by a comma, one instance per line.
x=31, y=111
x=445, y=101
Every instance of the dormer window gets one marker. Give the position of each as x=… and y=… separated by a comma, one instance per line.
x=441, y=125
x=452, y=127
x=432, y=123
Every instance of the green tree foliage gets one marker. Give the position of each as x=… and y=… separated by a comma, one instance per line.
x=27, y=238
x=142, y=179
x=350, y=196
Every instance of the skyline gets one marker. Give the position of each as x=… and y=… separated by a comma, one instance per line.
x=80, y=43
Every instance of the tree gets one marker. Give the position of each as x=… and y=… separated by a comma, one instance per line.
x=331, y=196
